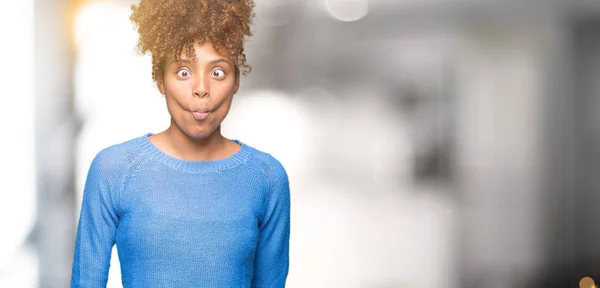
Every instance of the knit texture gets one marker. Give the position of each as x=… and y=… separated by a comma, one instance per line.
x=178, y=223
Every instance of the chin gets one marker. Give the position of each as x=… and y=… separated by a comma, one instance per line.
x=196, y=130
x=199, y=132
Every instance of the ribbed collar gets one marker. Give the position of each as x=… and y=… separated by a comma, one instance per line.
x=153, y=152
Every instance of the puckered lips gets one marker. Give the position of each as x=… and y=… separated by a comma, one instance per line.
x=200, y=114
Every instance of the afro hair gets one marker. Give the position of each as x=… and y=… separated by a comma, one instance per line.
x=166, y=27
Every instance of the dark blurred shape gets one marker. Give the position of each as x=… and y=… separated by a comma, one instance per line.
x=56, y=128
x=572, y=184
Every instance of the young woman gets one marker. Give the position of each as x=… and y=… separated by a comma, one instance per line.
x=187, y=207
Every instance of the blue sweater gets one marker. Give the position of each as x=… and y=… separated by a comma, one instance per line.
x=178, y=223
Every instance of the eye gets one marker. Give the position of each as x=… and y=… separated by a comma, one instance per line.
x=218, y=73
x=183, y=73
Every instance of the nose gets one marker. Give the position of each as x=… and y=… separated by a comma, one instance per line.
x=201, y=87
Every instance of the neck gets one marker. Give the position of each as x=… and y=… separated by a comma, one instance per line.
x=185, y=147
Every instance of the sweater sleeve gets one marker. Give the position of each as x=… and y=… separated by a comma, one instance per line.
x=271, y=260
x=98, y=221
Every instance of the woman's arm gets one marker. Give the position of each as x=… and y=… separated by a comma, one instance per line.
x=97, y=225
x=271, y=260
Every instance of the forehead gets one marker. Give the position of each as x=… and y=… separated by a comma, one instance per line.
x=202, y=53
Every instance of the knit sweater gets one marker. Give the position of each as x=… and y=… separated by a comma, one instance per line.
x=178, y=223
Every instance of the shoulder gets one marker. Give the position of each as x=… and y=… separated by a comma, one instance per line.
x=275, y=177
x=108, y=170
x=116, y=159
x=270, y=166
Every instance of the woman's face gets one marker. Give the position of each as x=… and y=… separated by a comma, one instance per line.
x=199, y=90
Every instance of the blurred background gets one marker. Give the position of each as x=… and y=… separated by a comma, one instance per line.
x=429, y=143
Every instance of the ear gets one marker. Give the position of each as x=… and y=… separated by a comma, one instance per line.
x=236, y=86
x=160, y=82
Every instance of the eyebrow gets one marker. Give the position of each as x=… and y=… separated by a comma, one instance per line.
x=213, y=62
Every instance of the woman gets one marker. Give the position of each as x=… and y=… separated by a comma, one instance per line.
x=187, y=207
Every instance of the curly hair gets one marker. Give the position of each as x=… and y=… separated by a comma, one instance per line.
x=166, y=27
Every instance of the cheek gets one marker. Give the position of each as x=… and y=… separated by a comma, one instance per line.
x=224, y=105
x=227, y=105
x=176, y=87
x=176, y=94
x=174, y=107
x=171, y=109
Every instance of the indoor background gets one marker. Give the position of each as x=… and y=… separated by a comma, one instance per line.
x=429, y=143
